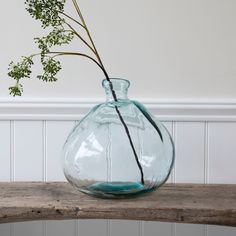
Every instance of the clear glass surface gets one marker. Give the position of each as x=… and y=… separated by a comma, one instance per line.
x=98, y=158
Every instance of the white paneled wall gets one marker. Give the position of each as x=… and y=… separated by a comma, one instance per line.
x=30, y=151
x=222, y=152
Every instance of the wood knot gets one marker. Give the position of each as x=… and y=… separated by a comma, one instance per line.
x=59, y=212
x=77, y=209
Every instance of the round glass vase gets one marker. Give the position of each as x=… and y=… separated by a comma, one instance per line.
x=118, y=149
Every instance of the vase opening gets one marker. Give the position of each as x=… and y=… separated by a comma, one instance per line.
x=120, y=86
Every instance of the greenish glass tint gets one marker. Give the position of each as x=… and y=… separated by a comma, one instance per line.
x=98, y=158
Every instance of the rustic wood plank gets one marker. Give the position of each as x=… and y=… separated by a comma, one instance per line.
x=186, y=203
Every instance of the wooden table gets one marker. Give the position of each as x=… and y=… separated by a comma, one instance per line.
x=185, y=203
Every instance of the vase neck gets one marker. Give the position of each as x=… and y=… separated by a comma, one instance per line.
x=120, y=86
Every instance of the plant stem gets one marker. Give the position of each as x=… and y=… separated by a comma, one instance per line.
x=71, y=18
x=80, y=37
x=72, y=54
x=78, y=54
x=87, y=30
x=131, y=144
x=111, y=88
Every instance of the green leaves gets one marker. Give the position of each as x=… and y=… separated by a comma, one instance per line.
x=58, y=36
x=16, y=90
x=51, y=14
x=22, y=69
x=18, y=71
x=51, y=67
x=47, y=11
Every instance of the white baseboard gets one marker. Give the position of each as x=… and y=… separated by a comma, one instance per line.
x=74, y=109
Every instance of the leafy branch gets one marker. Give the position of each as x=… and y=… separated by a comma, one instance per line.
x=51, y=14
x=17, y=71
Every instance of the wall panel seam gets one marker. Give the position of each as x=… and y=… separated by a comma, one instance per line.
x=12, y=150
x=174, y=137
x=140, y=228
x=206, y=152
x=12, y=163
x=206, y=163
x=44, y=163
x=76, y=228
x=44, y=146
x=108, y=229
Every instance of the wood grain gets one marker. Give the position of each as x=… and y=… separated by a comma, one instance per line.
x=185, y=203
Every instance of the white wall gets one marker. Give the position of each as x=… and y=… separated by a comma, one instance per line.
x=167, y=49
x=204, y=135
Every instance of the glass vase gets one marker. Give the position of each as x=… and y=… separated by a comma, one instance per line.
x=118, y=149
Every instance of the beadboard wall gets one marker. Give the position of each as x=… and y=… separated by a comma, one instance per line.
x=33, y=131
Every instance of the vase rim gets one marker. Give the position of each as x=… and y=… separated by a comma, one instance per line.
x=120, y=80
x=119, y=86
